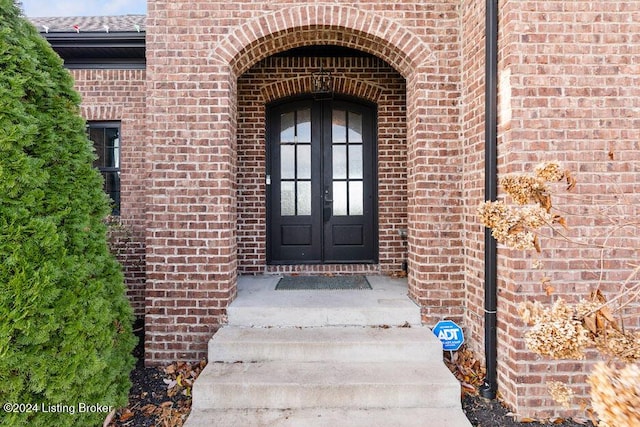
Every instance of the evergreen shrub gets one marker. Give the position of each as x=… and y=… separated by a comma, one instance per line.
x=65, y=323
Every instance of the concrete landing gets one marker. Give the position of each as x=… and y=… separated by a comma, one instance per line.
x=259, y=305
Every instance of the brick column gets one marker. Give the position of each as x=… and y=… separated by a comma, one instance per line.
x=436, y=265
x=191, y=234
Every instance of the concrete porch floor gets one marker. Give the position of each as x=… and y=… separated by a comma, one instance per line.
x=259, y=304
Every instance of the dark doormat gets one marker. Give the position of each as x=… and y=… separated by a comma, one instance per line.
x=294, y=283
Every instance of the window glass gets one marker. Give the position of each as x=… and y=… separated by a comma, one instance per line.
x=355, y=161
x=356, y=201
x=339, y=126
x=339, y=198
x=304, y=161
x=304, y=197
x=106, y=142
x=287, y=161
x=287, y=127
x=287, y=198
x=339, y=161
x=355, y=127
x=303, y=127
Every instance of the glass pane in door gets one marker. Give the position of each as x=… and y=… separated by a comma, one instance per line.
x=303, y=125
x=287, y=161
x=304, y=198
x=340, y=206
x=287, y=127
x=355, y=161
x=355, y=127
x=339, y=126
x=287, y=198
x=339, y=161
x=303, y=161
x=355, y=198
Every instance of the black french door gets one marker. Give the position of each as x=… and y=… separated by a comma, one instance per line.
x=321, y=183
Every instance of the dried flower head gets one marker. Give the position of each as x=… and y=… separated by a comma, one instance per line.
x=615, y=395
x=550, y=172
x=607, y=336
x=561, y=393
x=493, y=213
x=514, y=226
x=556, y=333
x=524, y=188
x=624, y=346
x=531, y=312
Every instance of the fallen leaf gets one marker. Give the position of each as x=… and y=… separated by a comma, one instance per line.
x=599, y=322
x=606, y=313
x=107, y=420
x=126, y=415
x=590, y=323
x=149, y=409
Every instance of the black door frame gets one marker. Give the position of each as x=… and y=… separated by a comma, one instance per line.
x=319, y=183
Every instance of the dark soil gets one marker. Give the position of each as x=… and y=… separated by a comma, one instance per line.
x=150, y=402
x=491, y=413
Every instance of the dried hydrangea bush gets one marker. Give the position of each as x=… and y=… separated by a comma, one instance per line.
x=563, y=330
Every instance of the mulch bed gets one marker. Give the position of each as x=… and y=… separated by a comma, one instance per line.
x=490, y=413
x=161, y=397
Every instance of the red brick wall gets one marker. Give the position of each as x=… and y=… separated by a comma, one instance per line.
x=120, y=95
x=369, y=78
x=472, y=118
x=196, y=51
x=569, y=91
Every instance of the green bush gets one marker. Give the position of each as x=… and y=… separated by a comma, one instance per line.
x=65, y=324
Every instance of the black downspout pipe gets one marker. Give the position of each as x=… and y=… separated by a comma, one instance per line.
x=489, y=388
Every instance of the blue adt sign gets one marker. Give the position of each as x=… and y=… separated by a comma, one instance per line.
x=449, y=334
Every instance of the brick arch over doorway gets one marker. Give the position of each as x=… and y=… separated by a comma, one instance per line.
x=192, y=240
x=288, y=87
x=322, y=24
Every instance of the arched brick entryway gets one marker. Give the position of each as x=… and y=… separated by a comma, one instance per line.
x=202, y=187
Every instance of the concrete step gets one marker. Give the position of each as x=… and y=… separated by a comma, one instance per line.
x=364, y=344
x=396, y=417
x=321, y=359
x=323, y=316
x=350, y=384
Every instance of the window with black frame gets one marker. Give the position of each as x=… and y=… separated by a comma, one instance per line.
x=106, y=141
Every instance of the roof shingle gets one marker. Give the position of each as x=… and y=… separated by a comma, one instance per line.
x=67, y=24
